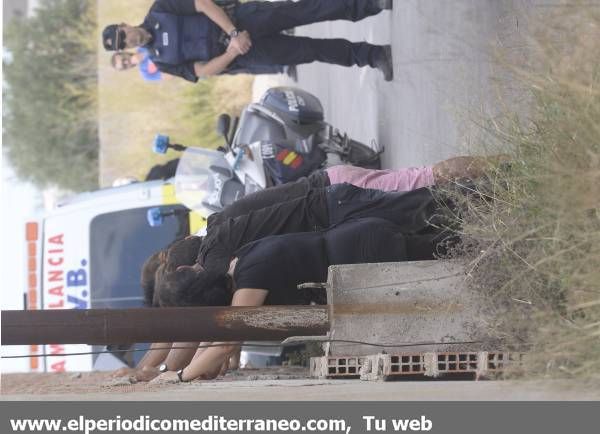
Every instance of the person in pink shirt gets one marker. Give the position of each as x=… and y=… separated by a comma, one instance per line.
x=411, y=178
x=404, y=179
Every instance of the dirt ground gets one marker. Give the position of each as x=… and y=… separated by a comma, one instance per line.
x=103, y=382
x=280, y=385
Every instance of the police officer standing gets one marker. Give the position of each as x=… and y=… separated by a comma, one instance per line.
x=196, y=38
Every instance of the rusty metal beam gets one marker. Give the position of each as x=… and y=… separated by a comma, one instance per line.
x=188, y=324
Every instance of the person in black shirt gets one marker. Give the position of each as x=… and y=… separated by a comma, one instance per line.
x=268, y=271
x=410, y=214
x=308, y=209
x=404, y=179
x=294, y=207
x=279, y=263
x=196, y=38
x=316, y=210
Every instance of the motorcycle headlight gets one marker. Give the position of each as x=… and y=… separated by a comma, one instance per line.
x=250, y=185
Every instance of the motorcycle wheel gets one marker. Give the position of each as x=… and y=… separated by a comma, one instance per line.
x=361, y=155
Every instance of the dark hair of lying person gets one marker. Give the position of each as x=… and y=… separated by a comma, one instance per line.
x=182, y=252
x=179, y=252
x=147, y=278
x=188, y=287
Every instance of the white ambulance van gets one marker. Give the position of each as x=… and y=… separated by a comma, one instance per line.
x=87, y=253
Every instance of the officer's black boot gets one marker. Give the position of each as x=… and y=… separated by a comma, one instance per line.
x=383, y=62
x=292, y=72
x=384, y=4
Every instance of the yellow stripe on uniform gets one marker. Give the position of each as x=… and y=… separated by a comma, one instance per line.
x=289, y=158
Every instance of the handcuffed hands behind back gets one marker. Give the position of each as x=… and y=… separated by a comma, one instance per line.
x=241, y=43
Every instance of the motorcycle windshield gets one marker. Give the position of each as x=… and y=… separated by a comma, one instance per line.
x=194, y=177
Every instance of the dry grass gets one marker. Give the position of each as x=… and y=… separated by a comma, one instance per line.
x=132, y=111
x=535, y=249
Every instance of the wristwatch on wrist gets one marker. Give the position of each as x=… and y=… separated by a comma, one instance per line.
x=163, y=368
x=234, y=33
x=180, y=375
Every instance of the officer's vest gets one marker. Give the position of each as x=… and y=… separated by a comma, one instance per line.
x=178, y=39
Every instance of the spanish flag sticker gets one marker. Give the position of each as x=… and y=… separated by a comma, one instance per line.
x=289, y=158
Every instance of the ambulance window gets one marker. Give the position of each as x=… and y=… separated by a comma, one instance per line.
x=120, y=242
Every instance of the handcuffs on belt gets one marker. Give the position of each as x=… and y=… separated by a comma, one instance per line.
x=228, y=7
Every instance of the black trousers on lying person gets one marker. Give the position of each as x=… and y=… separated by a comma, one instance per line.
x=317, y=210
x=272, y=196
x=410, y=211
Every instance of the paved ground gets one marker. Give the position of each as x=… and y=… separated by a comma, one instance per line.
x=269, y=387
x=445, y=76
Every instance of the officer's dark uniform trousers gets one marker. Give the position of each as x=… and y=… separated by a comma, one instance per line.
x=264, y=21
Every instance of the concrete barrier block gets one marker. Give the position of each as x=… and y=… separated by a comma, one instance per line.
x=404, y=306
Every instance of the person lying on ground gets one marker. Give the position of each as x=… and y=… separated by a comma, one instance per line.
x=405, y=179
x=413, y=213
x=305, y=206
x=317, y=210
x=223, y=240
x=268, y=272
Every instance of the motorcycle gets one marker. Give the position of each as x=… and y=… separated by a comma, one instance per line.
x=279, y=139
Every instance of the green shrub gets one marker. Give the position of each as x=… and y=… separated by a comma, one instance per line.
x=535, y=249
